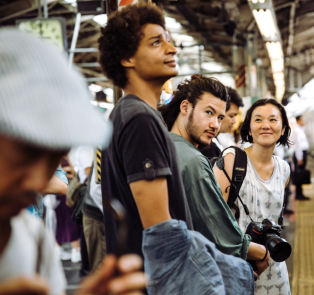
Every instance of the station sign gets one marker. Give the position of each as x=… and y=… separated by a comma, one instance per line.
x=127, y=2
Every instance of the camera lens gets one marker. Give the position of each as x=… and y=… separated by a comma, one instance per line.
x=279, y=248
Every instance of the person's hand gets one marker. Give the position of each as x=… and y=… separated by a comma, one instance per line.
x=300, y=162
x=24, y=286
x=118, y=277
x=262, y=265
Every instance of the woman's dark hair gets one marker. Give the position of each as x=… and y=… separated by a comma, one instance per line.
x=121, y=37
x=284, y=139
x=192, y=90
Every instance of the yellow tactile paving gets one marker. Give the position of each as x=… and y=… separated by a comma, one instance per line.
x=303, y=264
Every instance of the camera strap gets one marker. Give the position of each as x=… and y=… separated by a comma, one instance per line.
x=238, y=175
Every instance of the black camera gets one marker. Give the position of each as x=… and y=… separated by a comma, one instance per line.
x=267, y=233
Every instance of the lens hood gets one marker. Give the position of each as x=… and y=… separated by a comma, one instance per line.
x=279, y=248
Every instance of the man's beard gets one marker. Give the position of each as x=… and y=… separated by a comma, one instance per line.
x=192, y=130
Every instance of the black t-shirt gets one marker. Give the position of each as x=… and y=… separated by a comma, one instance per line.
x=212, y=151
x=141, y=148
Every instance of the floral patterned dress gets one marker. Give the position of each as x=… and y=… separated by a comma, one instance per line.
x=264, y=199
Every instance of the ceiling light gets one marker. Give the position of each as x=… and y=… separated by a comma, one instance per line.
x=279, y=76
x=277, y=65
x=265, y=22
x=279, y=83
x=274, y=50
x=101, y=19
x=171, y=23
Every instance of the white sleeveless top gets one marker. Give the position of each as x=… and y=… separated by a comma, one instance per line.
x=264, y=199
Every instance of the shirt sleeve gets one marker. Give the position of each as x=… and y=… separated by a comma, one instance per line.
x=144, y=149
x=61, y=175
x=85, y=157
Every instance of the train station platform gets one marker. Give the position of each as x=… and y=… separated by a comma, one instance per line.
x=300, y=232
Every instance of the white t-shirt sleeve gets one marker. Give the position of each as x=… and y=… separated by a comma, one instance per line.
x=31, y=250
x=84, y=159
x=51, y=267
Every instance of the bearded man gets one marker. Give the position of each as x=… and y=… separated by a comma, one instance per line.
x=193, y=118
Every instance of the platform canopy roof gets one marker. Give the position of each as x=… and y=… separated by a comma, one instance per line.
x=215, y=25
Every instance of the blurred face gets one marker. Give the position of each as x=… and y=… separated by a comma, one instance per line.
x=266, y=125
x=301, y=121
x=230, y=119
x=24, y=172
x=204, y=120
x=154, y=58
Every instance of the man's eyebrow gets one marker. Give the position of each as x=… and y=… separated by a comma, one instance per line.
x=155, y=37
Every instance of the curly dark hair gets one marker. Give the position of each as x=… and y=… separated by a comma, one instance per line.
x=284, y=139
x=191, y=90
x=121, y=37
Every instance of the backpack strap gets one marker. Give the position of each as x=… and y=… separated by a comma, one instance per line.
x=238, y=175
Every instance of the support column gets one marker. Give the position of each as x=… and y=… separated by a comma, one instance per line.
x=240, y=68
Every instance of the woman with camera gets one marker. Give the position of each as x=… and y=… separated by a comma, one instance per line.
x=262, y=191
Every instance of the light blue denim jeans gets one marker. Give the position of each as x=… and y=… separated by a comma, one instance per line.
x=181, y=261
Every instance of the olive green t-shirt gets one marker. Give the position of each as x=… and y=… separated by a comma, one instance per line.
x=211, y=215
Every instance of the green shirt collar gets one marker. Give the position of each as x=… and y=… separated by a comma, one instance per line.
x=179, y=138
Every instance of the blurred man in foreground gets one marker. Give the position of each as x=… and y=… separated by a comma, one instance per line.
x=44, y=110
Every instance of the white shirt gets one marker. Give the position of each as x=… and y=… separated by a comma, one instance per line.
x=226, y=140
x=29, y=244
x=84, y=159
x=300, y=141
x=95, y=191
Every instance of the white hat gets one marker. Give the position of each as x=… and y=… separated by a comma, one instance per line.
x=42, y=100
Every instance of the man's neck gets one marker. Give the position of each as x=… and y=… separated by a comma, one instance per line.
x=179, y=128
x=149, y=92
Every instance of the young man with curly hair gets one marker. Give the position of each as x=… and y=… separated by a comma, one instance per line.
x=140, y=166
x=135, y=53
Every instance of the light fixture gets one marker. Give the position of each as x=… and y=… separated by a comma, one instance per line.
x=279, y=76
x=256, y=1
x=279, y=83
x=171, y=23
x=277, y=65
x=101, y=19
x=274, y=50
x=265, y=22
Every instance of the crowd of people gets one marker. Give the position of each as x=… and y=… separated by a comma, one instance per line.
x=161, y=202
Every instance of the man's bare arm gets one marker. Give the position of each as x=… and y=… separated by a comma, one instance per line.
x=56, y=187
x=151, y=198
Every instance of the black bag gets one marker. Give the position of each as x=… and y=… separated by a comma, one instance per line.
x=77, y=215
x=300, y=177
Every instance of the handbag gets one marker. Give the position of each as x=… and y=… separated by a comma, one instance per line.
x=300, y=177
x=72, y=195
x=77, y=215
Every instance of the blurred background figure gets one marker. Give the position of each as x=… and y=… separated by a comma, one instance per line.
x=301, y=145
x=67, y=231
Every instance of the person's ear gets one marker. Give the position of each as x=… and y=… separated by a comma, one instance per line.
x=283, y=131
x=250, y=133
x=184, y=106
x=128, y=63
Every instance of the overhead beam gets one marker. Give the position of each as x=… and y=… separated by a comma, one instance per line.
x=291, y=27
x=16, y=9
